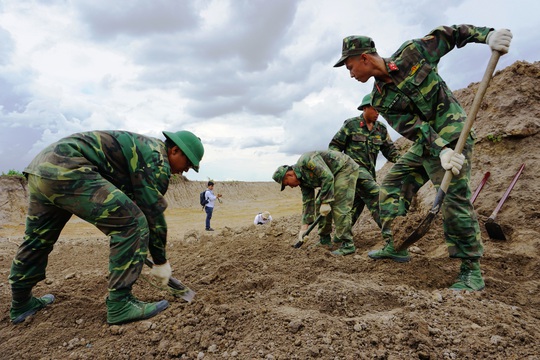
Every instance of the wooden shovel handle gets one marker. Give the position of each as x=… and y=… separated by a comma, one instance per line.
x=482, y=88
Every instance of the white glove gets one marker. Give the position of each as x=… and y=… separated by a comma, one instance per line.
x=450, y=160
x=325, y=209
x=162, y=272
x=499, y=40
x=302, y=231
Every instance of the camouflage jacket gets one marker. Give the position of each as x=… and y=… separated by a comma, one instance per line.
x=418, y=104
x=316, y=169
x=362, y=145
x=135, y=164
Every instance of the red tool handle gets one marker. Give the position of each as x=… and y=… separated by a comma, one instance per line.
x=479, y=188
x=507, y=192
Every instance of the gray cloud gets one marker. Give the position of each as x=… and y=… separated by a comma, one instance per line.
x=255, y=33
x=220, y=142
x=214, y=106
x=228, y=63
x=220, y=71
x=13, y=92
x=6, y=46
x=108, y=20
x=256, y=142
x=12, y=96
x=14, y=149
x=421, y=12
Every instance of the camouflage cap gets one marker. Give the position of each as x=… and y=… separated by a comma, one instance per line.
x=279, y=174
x=356, y=45
x=366, y=101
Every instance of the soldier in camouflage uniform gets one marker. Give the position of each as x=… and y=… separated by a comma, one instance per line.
x=336, y=175
x=362, y=138
x=409, y=93
x=115, y=180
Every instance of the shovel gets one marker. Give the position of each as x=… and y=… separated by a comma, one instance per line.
x=423, y=228
x=479, y=188
x=494, y=230
x=175, y=286
x=304, y=237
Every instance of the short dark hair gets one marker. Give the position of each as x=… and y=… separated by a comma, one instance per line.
x=169, y=143
x=210, y=183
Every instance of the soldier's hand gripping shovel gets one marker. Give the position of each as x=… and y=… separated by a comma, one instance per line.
x=494, y=230
x=423, y=228
x=480, y=186
x=175, y=287
x=305, y=235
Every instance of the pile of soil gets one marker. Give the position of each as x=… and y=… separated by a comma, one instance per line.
x=258, y=298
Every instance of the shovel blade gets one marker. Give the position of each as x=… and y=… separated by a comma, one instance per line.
x=494, y=230
x=298, y=244
x=180, y=290
x=175, y=286
x=188, y=295
x=418, y=233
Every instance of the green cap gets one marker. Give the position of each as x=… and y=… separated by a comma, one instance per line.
x=355, y=45
x=366, y=101
x=190, y=145
x=279, y=174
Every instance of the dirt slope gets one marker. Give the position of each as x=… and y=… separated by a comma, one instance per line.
x=257, y=298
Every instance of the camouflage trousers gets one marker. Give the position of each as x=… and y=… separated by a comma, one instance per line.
x=366, y=194
x=51, y=205
x=460, y=223
x=341, y=214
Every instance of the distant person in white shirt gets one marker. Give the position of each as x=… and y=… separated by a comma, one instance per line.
x=209, y=207
x=262, y=218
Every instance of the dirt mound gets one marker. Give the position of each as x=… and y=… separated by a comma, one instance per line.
x=13, y=199
x=259, y=298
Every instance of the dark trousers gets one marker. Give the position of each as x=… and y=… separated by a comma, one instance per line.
x=209, y=210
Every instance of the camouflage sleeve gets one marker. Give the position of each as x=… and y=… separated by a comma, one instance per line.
x=443, y=39
x=429, y=115
x=435, y=45
x=158, y=238
x=149, y=196
x=321, y=171
x=412, y=126
x=308, y=204
x=339, y=141
x=150, y=172
x=388, y=148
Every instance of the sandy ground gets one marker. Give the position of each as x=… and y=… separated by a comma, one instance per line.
x=258, y=298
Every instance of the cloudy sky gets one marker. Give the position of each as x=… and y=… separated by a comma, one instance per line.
x=254, y=79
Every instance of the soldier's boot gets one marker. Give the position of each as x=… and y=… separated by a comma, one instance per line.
x=388, y=252
x=129, y=308
x=337, y=241
x=325, y=241
x=19, y=312
x=346, y=248
x=470, y=277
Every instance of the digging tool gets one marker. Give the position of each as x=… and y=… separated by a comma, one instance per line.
x=480, y=186
x=494, y=230
x=175, y=286
x=423, y=228
x=304, y=237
